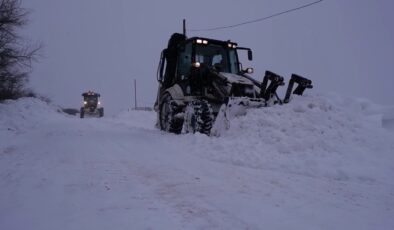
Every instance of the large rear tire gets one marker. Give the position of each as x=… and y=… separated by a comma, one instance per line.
x=199, y=117
x=168, y=119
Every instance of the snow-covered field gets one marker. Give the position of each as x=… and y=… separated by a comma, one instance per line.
x=320, y=162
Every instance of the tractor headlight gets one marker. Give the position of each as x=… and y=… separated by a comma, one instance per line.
x=232, y=45
x=99, y=103
x=196, y=64
x=249, y=70
x=85, y=102
x=201, y=41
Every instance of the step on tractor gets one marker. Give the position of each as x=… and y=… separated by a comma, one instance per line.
x=91, y=105
x=202, y=86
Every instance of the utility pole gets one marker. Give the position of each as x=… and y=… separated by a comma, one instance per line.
x=184, y=27
x=135, y=94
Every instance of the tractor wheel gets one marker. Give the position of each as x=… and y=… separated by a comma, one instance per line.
x=167, y=114
x=199, y=117
x=82, y=113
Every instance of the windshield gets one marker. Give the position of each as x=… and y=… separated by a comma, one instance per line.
x=91, y=98
x=221, y=58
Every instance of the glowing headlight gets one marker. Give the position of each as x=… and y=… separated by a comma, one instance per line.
x=99, y=103
x=196, y=64
x=234, y=46
x=200, y=41
x=85, y=102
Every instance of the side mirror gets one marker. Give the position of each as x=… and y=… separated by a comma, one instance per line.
x=250, y=55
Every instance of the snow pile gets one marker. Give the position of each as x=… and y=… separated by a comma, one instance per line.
x=315, y=136
x=25, y=114
x=319, y=162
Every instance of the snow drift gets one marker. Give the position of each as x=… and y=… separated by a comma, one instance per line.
x=316, y=136
x=320, y=162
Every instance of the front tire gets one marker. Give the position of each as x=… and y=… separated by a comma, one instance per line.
x=82, y=113
x=199, y=117
x=168, y=119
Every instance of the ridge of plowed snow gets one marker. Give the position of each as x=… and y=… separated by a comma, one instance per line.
x=26, y=113
x=319, y=162
x=317, y=136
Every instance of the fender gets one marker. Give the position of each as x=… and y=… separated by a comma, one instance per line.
x=176, y=92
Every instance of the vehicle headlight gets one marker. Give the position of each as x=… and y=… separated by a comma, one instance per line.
x=231, y=45
x=85, y=102
x=196, y=64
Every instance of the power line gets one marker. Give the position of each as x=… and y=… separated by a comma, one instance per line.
x=259, y=19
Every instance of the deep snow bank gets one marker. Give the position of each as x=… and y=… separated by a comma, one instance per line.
x=320, y=162
x=25, y=114
x=318, y=136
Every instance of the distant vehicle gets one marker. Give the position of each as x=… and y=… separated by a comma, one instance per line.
x=91, y=105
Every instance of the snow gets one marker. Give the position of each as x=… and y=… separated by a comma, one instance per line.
x=319, y=162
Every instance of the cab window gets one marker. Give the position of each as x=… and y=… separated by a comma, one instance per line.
x=184, y=61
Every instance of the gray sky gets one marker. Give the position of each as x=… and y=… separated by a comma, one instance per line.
x=343, y=46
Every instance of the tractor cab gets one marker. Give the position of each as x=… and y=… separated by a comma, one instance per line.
x=188, y=58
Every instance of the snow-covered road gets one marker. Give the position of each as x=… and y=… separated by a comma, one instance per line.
x=321, y=162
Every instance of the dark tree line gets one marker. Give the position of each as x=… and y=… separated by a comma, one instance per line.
x=16, y=56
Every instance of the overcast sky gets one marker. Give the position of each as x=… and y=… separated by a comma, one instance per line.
x=343, y=46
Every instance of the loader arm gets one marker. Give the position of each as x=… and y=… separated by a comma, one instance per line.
x=269, y=91
x=303, y=83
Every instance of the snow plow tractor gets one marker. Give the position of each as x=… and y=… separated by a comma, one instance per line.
x=91, y=105
x=202, y=85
